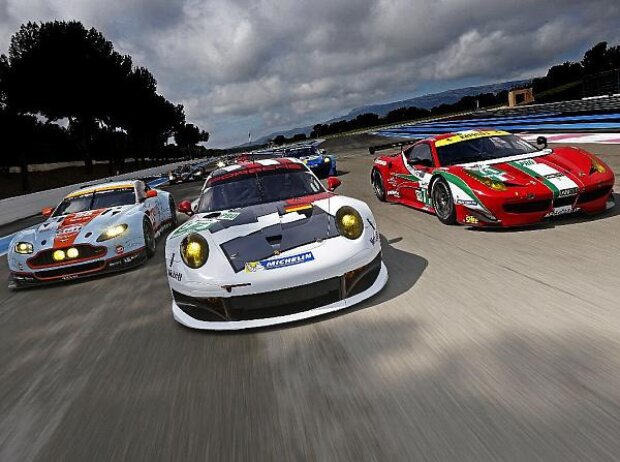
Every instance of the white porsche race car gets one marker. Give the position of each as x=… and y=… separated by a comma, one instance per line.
x=268, y=244
x=96, y=229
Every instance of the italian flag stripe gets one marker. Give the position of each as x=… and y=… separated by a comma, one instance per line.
x=533, y=174
x=460, y=183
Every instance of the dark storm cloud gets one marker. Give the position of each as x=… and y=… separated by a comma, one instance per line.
x=261, y=65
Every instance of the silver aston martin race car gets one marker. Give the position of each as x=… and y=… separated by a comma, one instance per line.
x=268, y=244
x=96, y=229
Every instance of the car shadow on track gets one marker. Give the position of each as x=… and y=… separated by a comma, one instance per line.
x=404, y=270
x=562, y=220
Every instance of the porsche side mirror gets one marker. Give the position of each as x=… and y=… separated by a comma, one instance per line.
x=151, y=193
x=542, y=141
x=185, y=207
x=47, y=212
x=333, y=183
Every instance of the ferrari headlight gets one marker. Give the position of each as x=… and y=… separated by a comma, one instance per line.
x=597, y=167
x=194, y=250
x=349, y=222
x=59, y=255
x=112, y=232
x=493, y=184
x=24, y=247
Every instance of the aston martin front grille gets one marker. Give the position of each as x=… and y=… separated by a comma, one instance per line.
x=85, y=252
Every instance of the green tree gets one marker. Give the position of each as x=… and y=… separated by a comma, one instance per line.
x=187, y=136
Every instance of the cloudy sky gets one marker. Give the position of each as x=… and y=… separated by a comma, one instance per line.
x=266, y=65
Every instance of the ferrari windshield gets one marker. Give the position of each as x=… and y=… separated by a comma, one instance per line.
x=479, y=149
x=96, y=200
x=235, y=190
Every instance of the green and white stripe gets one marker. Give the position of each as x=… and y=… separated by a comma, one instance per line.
x=559, y=184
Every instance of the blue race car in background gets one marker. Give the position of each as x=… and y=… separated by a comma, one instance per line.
x=321, y=163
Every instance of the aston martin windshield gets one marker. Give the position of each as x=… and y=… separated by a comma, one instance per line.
x=480, y=149
x=244, y=189
x=95, y=201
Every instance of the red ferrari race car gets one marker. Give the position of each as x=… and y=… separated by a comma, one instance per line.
x=493, y=178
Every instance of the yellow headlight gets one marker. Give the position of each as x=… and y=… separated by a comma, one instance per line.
x=72, y=253
x=494, y=185
x=23, y=247
x=58, y=255
x=194, y=250
x=349, y=222
x=112, y=232
x=597, y=166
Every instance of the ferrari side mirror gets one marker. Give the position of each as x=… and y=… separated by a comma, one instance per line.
x=542, y=141
x=151, y=193
x=333, y=183
x=47, y=212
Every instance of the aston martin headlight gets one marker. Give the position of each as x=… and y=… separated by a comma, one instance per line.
x=597, y=167
x=349, y=222
x=112, y=232
x=194, y=250
x=59, y=255
x=73, y=253
x=23, y=247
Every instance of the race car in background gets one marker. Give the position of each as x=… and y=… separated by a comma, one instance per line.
x=269, y=244
x=194, y=172
x=492, y=178
x=96, y=229
x=322, y=164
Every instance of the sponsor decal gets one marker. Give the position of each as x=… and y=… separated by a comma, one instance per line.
x=469, y=219
x=119, y=249
x=393, y=193
x=487, y=171
x=374, y=238
x=175, y=275
x=381, y=162
x=561, y=211
x=568, y=192
x=202, y=224
x=469, y=135
x=466, y=202
x=72, y=225
x=551, y=176
x=276, y=263
x=69, y=277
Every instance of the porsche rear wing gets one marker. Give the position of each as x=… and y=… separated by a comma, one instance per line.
x=383, y=147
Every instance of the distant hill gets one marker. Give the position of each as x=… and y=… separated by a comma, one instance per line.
x=424, y=102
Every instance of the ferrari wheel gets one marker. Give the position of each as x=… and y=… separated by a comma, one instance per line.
x=443, y=203
x=377, y=184
x=149, y=238
x=173, y=213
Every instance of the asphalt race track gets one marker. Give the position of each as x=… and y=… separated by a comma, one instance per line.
x=494, y=346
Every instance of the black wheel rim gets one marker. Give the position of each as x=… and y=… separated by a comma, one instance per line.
x=149, y=239
x=442, y=200
x=378, y=186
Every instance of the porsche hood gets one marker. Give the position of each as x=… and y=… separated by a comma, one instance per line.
x=265, y=230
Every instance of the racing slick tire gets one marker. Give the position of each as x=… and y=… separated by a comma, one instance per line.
x=443, y=202
x=174, y=221
x=377, y=185
x=149, y=238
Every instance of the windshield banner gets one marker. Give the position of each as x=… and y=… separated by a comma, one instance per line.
x=470, y=135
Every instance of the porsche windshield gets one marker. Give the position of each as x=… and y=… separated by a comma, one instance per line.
x=487, y=148
x=96, y=200
x=235, y=190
